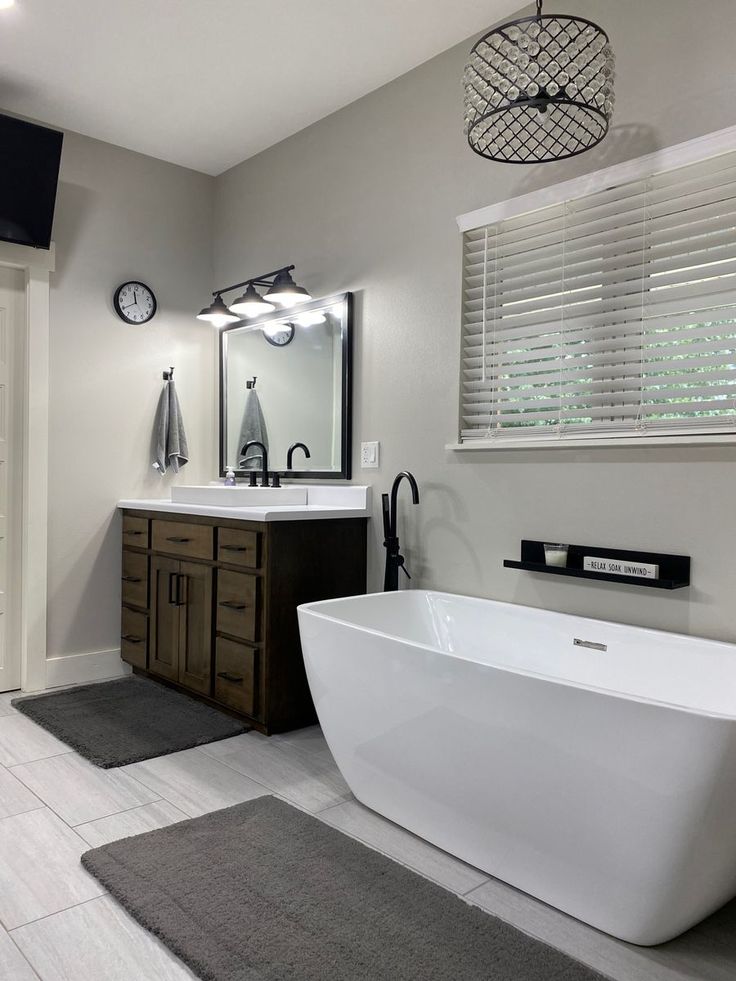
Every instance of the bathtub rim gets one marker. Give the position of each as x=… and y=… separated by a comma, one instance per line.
x=312, y=609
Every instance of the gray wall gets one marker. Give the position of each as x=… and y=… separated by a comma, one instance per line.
x=120, y=215
x=365, y=200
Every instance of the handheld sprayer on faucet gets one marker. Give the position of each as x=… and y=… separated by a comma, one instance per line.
x=394, y=559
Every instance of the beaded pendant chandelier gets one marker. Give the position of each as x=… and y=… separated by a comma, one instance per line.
x=539, y=89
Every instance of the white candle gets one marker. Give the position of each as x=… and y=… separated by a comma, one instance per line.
x=556, y=555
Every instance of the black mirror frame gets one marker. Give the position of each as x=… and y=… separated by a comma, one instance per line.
x=346, y=448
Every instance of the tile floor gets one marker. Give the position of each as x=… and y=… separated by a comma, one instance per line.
x=57, y=924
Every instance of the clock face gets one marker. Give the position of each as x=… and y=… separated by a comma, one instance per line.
x=279, y=335
x=134, y=303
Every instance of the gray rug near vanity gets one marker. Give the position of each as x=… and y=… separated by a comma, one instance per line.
x=263, y=890
x=127, y=720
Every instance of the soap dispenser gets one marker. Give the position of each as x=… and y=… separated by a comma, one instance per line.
x=230, y=477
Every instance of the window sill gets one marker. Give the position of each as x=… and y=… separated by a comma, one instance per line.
x=569, y=443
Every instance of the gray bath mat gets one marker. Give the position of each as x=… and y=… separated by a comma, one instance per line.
x=127, y=720
x=264, y=892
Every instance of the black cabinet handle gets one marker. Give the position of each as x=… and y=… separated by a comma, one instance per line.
x=232, y=605
x=182, y=590
x=234, y=679
x=132, y=640
x=133, y=533
x=132, y=579
x=234, y=548
x=178, y=541
x=173, y=597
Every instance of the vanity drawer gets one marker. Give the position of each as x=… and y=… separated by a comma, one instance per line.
x=180, y=538
x=135, y=578
x=238, y=547
x=134, y=638
x=135, y=531
x=237, y=604
x=235, y=675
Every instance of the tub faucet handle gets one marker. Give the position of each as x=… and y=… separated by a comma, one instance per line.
x=400, y=561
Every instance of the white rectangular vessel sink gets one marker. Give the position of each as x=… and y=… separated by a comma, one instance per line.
x=239, y=497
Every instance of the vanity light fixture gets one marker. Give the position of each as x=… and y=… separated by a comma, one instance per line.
x=539, y=89
x=282, y=291
x=285, y=291
x=251, y=303
x=6, y=4
x=217, y=313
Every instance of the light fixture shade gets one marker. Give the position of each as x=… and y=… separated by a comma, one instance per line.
x=539, y=89
x=285, y=291
x=217, y=314
x=251, y=303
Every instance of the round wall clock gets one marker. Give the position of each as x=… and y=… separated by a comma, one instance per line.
x=134, y=303
x=279, y=335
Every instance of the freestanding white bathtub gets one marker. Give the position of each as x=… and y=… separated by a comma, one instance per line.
x=602, y=781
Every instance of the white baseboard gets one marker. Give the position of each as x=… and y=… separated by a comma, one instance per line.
x=75, y=669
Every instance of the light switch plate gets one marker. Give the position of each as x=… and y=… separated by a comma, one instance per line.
x=369, y=456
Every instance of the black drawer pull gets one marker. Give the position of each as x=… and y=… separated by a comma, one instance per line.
x=235, y=679
x=132, y=640
x=133, y=533
x=234, y=548
x=232, y=605
x=132, y=579
x=179, y=541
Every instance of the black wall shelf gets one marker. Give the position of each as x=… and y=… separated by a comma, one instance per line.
x=674, y=570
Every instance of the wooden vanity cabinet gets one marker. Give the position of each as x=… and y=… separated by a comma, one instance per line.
x=209, y=605
x=181, y=617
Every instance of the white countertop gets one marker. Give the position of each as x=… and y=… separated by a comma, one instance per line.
x=327, y=502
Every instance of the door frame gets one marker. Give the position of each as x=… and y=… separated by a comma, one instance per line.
x=37, y=266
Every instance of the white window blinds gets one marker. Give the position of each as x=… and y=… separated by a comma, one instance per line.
x=611, y=314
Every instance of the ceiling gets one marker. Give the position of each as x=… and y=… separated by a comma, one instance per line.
x=208, y=83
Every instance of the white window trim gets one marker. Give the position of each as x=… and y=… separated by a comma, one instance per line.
x=678, y=155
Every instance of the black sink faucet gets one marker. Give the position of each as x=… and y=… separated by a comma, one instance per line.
x=264, y=457
x=290, y=453
x=394, y=558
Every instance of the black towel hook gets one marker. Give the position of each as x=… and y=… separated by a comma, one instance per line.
x=169, y=375
x=251, y=383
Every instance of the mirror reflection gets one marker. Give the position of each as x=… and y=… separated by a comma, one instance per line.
x=285, y=380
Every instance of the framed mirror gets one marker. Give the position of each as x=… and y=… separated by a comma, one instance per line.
x=286, y=378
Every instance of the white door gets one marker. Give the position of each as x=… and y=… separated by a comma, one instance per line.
x=12, y=313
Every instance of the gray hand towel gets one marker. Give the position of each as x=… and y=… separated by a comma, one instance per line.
x=252, y=427
x=169, y=445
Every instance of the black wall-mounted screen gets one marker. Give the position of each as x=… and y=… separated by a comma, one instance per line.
x=29, y=173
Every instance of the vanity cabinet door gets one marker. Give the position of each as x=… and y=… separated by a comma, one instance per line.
x=194, y=593
x=165, y=618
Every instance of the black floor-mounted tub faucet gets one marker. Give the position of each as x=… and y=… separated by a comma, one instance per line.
x=394, y=558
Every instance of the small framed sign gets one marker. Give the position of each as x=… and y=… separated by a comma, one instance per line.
x=621, y=567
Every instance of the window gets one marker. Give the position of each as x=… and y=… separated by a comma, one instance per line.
x=611, y=314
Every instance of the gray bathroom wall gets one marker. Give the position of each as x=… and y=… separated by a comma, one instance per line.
x=119, y=215
x=366, y=200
